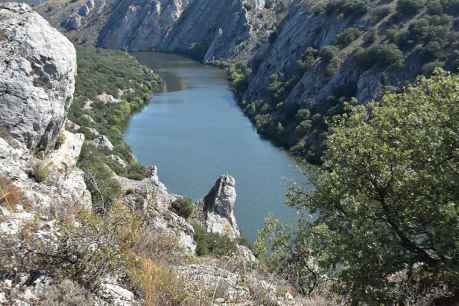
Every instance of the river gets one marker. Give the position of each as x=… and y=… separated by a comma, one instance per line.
x=194, y=131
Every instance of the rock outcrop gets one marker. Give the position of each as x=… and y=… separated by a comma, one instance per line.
x=37, y=77
x=218, y=207
x=37, y=81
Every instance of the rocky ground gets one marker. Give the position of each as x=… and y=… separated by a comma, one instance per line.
x=41, y=188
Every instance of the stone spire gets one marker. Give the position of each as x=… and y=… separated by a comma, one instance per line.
x=219, y=206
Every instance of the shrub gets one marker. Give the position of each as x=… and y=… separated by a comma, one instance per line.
x=183, y=207
x=307, y=60
x=158, y=285
x=104, y=188
x=379, y=56
x=409, y=7
x=41, y=171
x=277, y=87
x=328, y=53
x=434, y=7
x=239, y=77
x=380, y=13
x=347, y=7
x=69, y=293
x=85, y=251
x=429, y=68
x=346, y=37
x=331, y=68
x=211, y=243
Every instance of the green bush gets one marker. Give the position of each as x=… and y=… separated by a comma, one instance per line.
x=183, y=207
x=104, y=188
x=346, y=37
x=348, y=7
x=409, y=7
x=328, y=53
x=211, y=243
x=379, y=56
x=308, y=59
x=41, y=171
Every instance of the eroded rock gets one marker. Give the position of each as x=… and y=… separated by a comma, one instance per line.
x=218, y=208
x=37, y=77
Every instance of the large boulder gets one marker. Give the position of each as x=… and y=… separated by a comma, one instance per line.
x=218, y=208
x=37, y=77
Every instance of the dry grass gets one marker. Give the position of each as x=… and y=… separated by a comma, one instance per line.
x=10, y=195
x=158, y=284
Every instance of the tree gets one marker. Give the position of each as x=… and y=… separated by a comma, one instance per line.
x=387, y=195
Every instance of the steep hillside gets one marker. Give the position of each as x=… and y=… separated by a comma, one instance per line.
x=326, y=53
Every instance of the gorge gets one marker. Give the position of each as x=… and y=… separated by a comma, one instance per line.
x=194, y=131
x=99, y=157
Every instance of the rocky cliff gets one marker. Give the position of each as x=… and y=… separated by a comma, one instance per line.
x=207, y=30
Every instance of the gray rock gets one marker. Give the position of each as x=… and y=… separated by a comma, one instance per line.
x=74, y=22
x=103, y=142
x=37, y=68
x=218, y=208
x=208, y=30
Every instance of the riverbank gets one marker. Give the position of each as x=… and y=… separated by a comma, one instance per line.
x=111, y=86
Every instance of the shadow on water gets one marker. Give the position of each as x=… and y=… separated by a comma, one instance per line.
x=194, y=131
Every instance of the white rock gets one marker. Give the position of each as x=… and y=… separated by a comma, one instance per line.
x=218, y=207
x=37, y=80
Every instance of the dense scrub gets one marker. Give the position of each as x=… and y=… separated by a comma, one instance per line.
x=385, y=230
x=115, y=73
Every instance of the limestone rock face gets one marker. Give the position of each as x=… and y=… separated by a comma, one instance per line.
x=205, y=29
x=218, y=208
x=37, y=77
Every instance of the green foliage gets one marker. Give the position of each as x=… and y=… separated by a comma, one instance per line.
x=238, y=75
x=277, y=87
x=272, y=244
x=307, y=60
x=104, y=188
x=348, y=7
x=328, y=53
x=211, y=243
x=386, y=198
x=102, y=70
x=41, y=171
x=346, y=37
x=409, y=7
x=381, y=57
x=183, y=207
x=108, y=71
